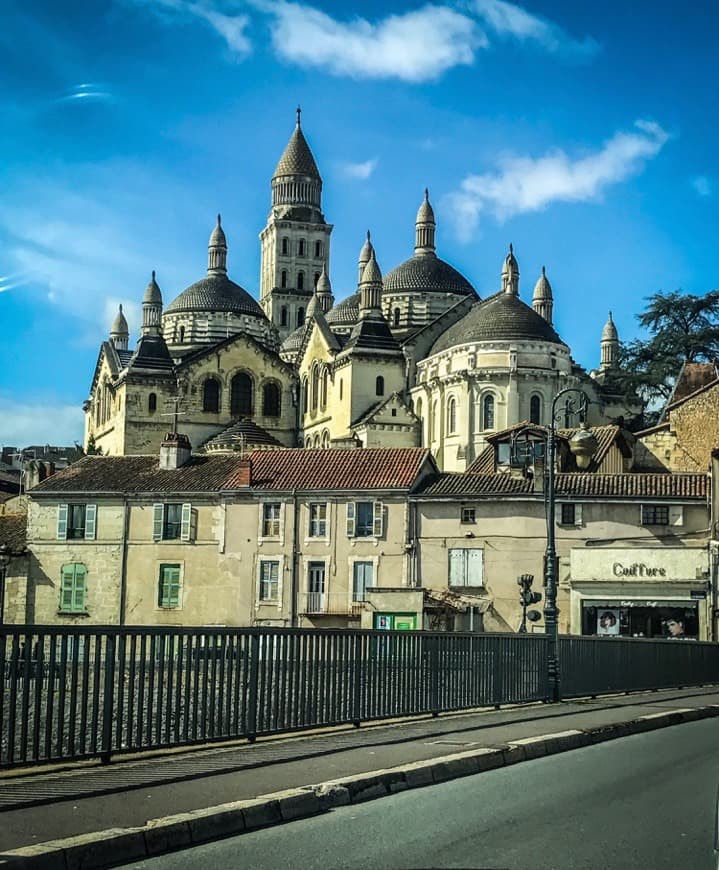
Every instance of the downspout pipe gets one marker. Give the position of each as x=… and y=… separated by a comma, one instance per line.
x=123, y=562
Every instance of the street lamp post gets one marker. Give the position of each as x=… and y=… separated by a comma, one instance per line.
x=575, y=402
x=4, y=562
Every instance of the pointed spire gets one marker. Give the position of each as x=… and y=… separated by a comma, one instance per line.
x=299, y=115
x=324, y=290
x=217, y=250
x=542, y=299
x=152, y=308
x=371, y=286
x=510, y=273
x=424, y=227
x=119, y=331
x=364, y=257
x=609, y=345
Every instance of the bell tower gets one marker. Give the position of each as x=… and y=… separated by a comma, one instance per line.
x=295, y=243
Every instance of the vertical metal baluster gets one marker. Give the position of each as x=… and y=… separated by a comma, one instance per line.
x=85, y=695
x=39, y=680
x=99, y=674
x=121, y=671
x=205, y=678
x=237, y=726
x=74, y=669
x=169, y=718
x=190, y=724
x=152, y=663
x=131, y=695
x=181, y=687
x=52, y=670
x=254, y=655
x=212, y=688
x=221, y=729
x=141, y=702
x=108, y=696
x=25, y=703
x=60, y=744
x=159, y=718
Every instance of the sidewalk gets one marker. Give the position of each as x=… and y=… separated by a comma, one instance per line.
x=36, y=807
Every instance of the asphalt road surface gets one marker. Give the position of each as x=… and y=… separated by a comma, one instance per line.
x=646, y=801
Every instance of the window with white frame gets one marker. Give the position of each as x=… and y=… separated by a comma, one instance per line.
x=168, y=587
x=466, y=566
x=76, y=522
x=365, y=519
x=271, y=511
x=172, y=521
x=362, y=577
x=469, y=515
x=318, y=520
x=662, y=515
x=269, y=579
x=73, y=588
x=316, y=587
x=570, y=514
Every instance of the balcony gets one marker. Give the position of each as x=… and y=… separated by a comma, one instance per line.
x=330, y=604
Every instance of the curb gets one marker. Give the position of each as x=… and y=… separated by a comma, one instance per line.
x=118, y=846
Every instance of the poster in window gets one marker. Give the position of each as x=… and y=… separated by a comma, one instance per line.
x=383, y=622
x=607, y=621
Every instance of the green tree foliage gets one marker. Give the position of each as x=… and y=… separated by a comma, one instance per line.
x=682, y=328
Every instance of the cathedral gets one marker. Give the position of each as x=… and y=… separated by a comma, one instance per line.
x=415, y=357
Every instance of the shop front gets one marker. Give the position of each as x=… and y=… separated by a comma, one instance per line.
x=659, y=592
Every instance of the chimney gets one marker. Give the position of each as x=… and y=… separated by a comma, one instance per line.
x=175, y=451
x=243, y=472
x=36, y=471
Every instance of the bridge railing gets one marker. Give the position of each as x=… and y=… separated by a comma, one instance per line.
x=73, y=693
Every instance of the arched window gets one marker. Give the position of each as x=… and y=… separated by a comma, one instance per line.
x=325, y=439
x=301, y=248
x=323, y=395
x=241, y=395
x=284, y=245
x=418, y=408
x=283, y=316
x=315, y=387
x=152, y=403
x=182, y=334
x=271, y=400
x=535, y=410
x=452, y=416
x=318, y=250
x=308, y=441
x=488, y=412
x=340, y=389
x=316, y=278
x=435, y=420
x=379, y=386
x=317, y=441
x=396, y=317
x=305, y=389
x=300, y=280
x=283, y=278
x=300, y=316
x=211, y=396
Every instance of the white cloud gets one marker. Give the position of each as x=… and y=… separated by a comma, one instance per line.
x=702, y=185
x=416, y=46
x=231, y=27
x=40, y=422
x=527, y=184
x=361, y=171
x=508, y=19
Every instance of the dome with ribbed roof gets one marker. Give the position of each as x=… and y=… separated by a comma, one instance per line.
x=216, y=293
x=502, y=317
x=345, y=313
x=293, y=342
x=424, y=272
x=609, y=333
x=297, y=158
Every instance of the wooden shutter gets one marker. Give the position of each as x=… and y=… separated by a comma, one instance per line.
x=378, y=519
x=676, y=515
x=90, y=521
x=457, y=575
x=157, y=519
x=577, y=515
x=66, y=587
x=62, y=522
x=351, y=512
x=80, y=589
x=474, y=567
x=186, y=529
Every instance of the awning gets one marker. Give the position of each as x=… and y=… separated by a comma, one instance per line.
x=445, y=599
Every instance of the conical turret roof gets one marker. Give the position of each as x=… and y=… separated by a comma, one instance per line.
x=152, y=296
x=609, y=333
x=542, y=289
x=297, y=158
x=119, y=324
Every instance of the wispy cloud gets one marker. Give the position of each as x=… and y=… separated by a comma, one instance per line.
x=528, y=184
x=510, y=20
x=86, y=92
x=702, y=185
x=10, y=282
x=416, y=46
x=361, y=171
x=22, y=424
x=232, y=27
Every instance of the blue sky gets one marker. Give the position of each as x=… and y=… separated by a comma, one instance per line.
x=583, y=133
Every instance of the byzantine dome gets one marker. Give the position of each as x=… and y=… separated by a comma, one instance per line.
x=345, y=313
x=215, y=293
x=424, y=272
x=502, y=317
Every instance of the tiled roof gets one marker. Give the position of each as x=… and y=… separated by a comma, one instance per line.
x=370, y=468
x=241, y=433
x=13, y=532
x=424, y=272
x=590, y=485
x=345, y=313
x=484, y=463
x=216, y=293
x=97, y=474
x=297, y=158
x=692, y=377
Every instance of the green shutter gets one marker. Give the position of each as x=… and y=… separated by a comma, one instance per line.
x=73, y=589
x=80, y=590
x=169, y=592
x=62, y=522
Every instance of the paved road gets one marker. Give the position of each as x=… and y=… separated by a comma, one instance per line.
x=646, y=801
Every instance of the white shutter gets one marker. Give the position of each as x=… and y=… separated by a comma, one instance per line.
x=457, y=574
x=676, y=515
x=62, y=522
x=282, y=523
x=90, y=521
x=378, y=524
x=577, y=515
x=157, y=519
x=186, y=528
x=474, y=567
x=351, y=519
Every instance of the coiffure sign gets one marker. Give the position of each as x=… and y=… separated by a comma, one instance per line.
x=639, y=565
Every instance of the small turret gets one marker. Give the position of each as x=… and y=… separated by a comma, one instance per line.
x=324, y=290
x=371, y=287
x=364, y=257
x=152, y=308
x=425, y=227
x=543, y=299
x=510, y=274
x=217, y=250
x=119, y=331
x=609, y=346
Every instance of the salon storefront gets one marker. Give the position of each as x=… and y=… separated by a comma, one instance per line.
x=640, y=592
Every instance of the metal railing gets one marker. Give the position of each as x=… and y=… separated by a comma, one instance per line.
x=73, y=693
